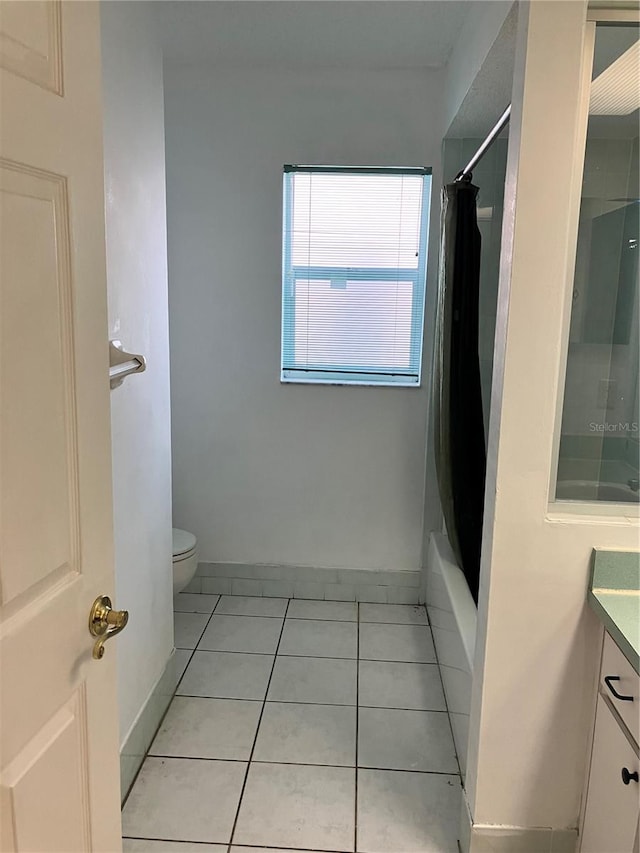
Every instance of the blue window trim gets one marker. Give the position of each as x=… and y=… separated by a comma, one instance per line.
x=356, y=273
x=352, y=374
x=288, y=288
x=363, y=170
x=417, y=330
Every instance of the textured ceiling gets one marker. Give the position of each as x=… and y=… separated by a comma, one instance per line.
x=490, y=92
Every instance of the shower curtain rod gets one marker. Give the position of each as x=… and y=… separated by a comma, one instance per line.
x=491, y=138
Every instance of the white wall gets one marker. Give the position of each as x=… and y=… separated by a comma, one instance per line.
x=137, y=284
x=264, y=472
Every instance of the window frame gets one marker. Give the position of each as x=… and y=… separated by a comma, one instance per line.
x=354, y=374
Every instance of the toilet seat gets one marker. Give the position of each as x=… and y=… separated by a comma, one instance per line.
x=185, y=558
x=188, y=556
x=184, y=544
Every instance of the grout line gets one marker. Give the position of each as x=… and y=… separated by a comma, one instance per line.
x=313, y=618
x=405, y=624
x=202, y=613
x=455, y=748
x=301, y=849
x=256, y=847
x=278, y=701
x=313, y=704
x=313, y=657
x=173, y=840
x=183, y=592
x=304, y=764
x=193, y=651
x=232, y=652
x=192, y=612
x=410, y=770
x=293, y=618
x=355, y=804
x=395, y=708
x=217, y=698
x=255, y=738
x=165, y=757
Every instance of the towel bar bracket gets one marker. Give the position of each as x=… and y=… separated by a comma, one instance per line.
x=123, y=364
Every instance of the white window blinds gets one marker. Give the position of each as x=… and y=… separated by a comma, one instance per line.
x=354, y=262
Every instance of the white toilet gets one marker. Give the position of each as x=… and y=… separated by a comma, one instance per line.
x=185, y=558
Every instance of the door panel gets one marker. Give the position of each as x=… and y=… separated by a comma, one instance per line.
x=40, y=527
x=54, y=753
x=59, y=735
x=31, y=42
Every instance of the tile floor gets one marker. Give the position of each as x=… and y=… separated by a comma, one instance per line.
x=299, y=725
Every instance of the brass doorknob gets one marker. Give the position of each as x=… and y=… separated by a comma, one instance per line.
x=105, y=622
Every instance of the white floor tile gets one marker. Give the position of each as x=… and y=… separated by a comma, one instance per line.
x=319, y=639
x=416, y=686
x=145, y=845
x=400, y=614
x=191, y=602
x=226, y=675
x=208, y=728
x=216, y=586
x=340, y=611
x=405, y=740
x=301, y=787
x=244, y=605
x=298, y=806
x=323, y=680
x=409, y=643
x=307, y=734
x=246, y=586
x=235, y=849
x=184, y=800
x=188, y=628
x=255, y=634
x=408, y=812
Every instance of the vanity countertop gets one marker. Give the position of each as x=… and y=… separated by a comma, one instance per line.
x=614, y=594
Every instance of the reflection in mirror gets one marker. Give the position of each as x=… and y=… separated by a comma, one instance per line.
x=600, y=435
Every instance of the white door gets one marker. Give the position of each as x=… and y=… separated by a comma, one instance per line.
x=59, y=737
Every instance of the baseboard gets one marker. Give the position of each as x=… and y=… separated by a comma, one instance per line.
x=372, y=585
x=496, y=838
x=146, y=725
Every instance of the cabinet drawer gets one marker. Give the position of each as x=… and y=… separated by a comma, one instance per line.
x=612, y=809
x=622, y=678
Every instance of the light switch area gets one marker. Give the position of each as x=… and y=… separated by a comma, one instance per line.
x=607, y=391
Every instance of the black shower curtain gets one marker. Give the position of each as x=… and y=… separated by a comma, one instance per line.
x=459, y=430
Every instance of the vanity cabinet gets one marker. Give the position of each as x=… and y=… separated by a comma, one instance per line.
x=612, y=810
x=621, y=685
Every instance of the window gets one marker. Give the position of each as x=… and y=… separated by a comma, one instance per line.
x=354, y=266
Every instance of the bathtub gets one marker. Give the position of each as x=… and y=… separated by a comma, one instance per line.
x=453, y=616
x=593, y=490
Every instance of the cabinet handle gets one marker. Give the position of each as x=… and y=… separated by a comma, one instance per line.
x=607, y=680
x=627, y=777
